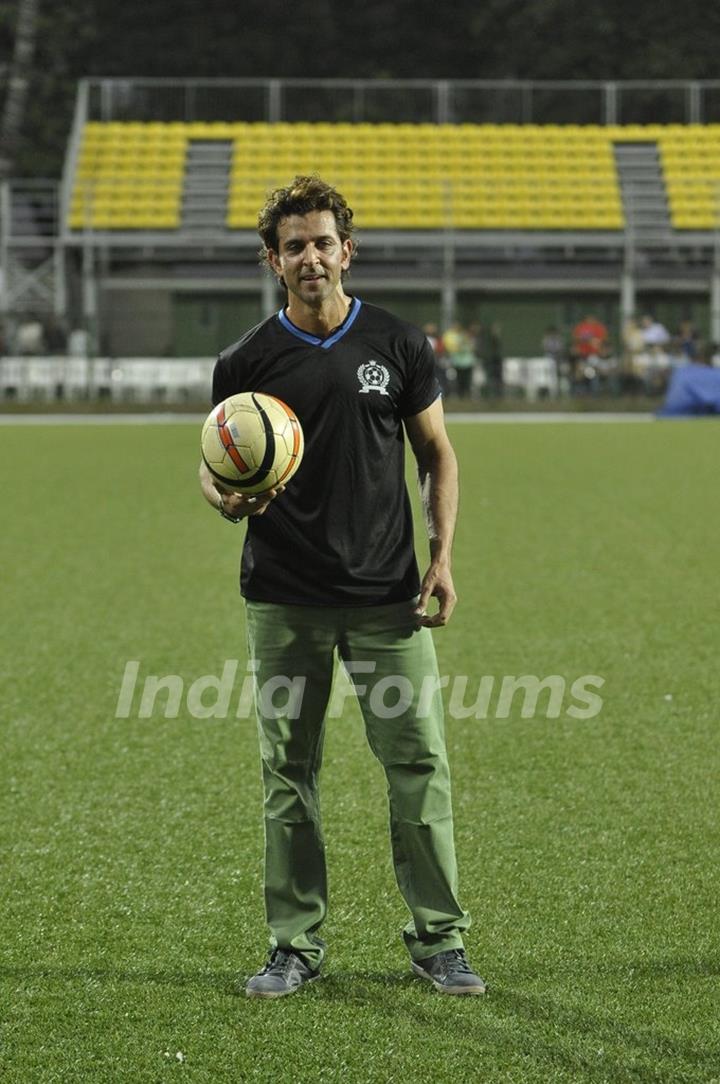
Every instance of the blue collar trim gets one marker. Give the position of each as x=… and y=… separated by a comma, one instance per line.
x=313, y=340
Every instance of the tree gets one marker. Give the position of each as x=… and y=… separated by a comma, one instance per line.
x=18, y=82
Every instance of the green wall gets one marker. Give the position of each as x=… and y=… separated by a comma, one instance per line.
x=417, y=308
x=206, y=323
x=524, y=318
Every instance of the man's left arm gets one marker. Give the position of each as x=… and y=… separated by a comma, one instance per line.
x=438, y=475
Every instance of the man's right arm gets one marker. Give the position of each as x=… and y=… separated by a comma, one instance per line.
x=234, y=505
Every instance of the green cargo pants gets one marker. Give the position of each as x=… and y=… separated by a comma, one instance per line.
x=393, y=666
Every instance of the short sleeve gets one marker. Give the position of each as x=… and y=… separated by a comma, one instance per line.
x=422, y=386
x=222, y=382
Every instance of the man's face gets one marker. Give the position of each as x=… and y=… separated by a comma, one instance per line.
x=310, y=257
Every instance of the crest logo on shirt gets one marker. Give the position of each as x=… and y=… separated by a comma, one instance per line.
x=373, y=377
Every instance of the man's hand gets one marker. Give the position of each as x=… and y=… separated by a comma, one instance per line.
x=238, y=505
x=235, y=505
x=437, y=583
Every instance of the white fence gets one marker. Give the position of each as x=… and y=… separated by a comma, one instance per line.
x=177, y=380
x=532, y=377
x=138, y=380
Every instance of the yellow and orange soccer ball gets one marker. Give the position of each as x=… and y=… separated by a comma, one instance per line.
x=252, y=442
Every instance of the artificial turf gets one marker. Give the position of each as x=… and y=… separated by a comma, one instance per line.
x=588, y=848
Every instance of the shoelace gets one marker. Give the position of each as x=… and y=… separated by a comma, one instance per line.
x=280, y=961
x=457, y=963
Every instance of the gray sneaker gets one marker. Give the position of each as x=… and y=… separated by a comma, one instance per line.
x=450, y=973
x=284, y=973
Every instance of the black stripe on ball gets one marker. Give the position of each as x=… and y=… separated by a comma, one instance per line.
x=267, y=461
x=269, y=456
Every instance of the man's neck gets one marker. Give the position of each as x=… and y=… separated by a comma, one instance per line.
x=320, y=321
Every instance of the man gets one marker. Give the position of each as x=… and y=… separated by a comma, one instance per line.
x=328, y=566
x=655, y=335
x=656, y=338
x=590, y=344
x=458, y=346
x=432, y=334
x=590, y=337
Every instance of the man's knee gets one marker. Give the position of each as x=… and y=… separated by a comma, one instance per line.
x=420, y=792
x=290, y=793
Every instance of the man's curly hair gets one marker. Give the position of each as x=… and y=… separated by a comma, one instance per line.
x=302, y=195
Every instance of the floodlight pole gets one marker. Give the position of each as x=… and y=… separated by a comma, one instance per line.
x=60, y=303
x=627, y=278
x=627, y=293
x=448, y=305
x=610, y=103
x=89, y=296
x=268, y=294
x=715, y=304
x=4, y=246
x=448, y=294
x=715, y=276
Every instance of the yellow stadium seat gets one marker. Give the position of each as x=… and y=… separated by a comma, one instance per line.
x=496, y=176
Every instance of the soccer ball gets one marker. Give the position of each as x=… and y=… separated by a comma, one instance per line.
x=252, y=442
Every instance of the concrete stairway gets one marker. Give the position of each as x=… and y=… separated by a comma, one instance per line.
x=205, y=192
x=643, y=191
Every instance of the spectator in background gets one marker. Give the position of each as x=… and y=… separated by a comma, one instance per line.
x=707, y=355
x=655, y=334
x=78, y=343
x=634, y=358
x=693, y=387
x=656, y=338
x=553, y=347
x=477, y=340
x=432, y=334
x=55, y=335
x=590, y=352
x=458, y=348
x=30, y=337
x=589, y=338
x=675, y=352
x=433, y=337
x=493, y=358
x=606, y=380
x=688, y=341
x=553, y=344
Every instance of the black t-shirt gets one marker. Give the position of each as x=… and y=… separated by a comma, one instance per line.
x=341, y=533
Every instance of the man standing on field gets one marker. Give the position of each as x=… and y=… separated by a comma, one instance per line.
x=329, y=566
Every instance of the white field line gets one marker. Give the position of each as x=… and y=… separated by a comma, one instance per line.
x=168, y=418
x=165, y=418
x=549, y=416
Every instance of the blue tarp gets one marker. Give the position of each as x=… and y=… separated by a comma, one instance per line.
x=693, y=390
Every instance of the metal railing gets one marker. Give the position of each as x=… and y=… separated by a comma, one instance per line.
x=29, y=210
x=444, y=101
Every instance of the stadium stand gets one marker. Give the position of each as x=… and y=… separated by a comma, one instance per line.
x=398, y=176
x=429, y=176
x=489, y=205
x=130, y=176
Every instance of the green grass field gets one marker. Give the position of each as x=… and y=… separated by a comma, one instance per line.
x=589, y=849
